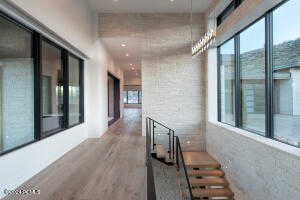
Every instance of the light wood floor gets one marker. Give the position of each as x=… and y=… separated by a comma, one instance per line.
x=109, y=168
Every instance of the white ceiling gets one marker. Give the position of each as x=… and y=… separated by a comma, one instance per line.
x=132, y=62
x=149, y=6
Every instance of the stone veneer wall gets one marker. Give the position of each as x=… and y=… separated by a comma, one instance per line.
x=172, y=82
x=256, y=171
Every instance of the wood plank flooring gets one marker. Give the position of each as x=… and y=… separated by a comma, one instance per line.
x=109, y=168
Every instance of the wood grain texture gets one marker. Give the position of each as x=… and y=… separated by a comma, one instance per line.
x=200, y=160
x=108, y=168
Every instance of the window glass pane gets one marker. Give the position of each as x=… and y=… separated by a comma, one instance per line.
x=252, y=58
x=227, y=82
x=286, y=72
x=52, y=89
x=16, y=86
x=74, y=91
x=133, y=97
x=140, y=97
x=125, y=96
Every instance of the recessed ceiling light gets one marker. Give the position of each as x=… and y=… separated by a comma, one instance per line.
x=127, y=54
x=123, y=45
x=131, y=64
x=132, y=68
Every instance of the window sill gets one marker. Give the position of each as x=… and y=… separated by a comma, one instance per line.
x=38, y=140
x=277, y=145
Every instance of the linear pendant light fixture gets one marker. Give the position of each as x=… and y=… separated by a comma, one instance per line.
x=204, y=43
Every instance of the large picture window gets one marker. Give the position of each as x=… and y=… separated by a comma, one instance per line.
x=268, y=71
x=74, y=91
x=35, y=74
x=16, y=86
x=252, y=68
x=227, y=82
x=52, y=88
x=286, y=72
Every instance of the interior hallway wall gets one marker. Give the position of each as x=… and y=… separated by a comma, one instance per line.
x=73, y=21
x=172, y=82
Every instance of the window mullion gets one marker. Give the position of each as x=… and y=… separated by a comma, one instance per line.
x=66, y=88
x=238, y=105
x=81, y=86
x=37, y=85
x=269, y=75
x=219, y=83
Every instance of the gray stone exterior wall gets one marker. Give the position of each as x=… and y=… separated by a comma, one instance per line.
x=286, y=54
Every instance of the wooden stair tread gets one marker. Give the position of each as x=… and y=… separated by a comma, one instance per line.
x=200, y=160
x=212, y=192
x=160, y=151
x=214, y=172
x=208, y=182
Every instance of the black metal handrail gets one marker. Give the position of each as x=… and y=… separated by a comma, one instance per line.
x=151, y=194
x=151, y=127
x=180, y=154
x=160, y=124
x=173, y=149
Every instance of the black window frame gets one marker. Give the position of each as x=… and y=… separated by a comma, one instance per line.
x=53, y=131
x=139, y=97
x=81, y=89
x=269, y=110
x=228, y=10
x=36, y=49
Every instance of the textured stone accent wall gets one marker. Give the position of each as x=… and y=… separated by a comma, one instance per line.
x=256, y=171
x=172, y=81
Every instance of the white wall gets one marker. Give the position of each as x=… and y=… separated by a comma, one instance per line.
x=73, y=21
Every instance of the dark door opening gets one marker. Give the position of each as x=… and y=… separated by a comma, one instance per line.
x=113, y=99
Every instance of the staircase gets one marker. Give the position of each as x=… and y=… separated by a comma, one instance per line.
x=199, y=175
x=206, y=177
x=161, y=154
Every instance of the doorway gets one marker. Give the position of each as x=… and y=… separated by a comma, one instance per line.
x=113, y=98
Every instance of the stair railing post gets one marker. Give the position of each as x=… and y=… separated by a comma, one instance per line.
x=173, y=144
x=170, y=150
x=147, y=142
x=177, y=149
x=153, y=138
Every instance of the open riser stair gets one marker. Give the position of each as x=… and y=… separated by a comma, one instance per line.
x=206, y=177
x=200, y=176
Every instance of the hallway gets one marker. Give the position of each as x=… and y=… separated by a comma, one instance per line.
x=108, y=168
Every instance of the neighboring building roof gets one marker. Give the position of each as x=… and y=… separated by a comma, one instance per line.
x=286, y=55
